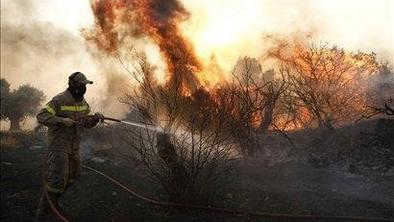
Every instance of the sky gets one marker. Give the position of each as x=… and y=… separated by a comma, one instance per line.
x=41, y=41
x=366, y=25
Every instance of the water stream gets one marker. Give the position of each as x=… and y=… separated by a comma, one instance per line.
x=149, y=127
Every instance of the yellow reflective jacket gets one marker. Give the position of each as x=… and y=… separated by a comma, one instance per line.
x=61, y=137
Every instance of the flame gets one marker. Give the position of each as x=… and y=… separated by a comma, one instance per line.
x=119, y=20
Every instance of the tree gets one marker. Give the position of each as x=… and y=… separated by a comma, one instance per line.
x=326, y=83
x=249, y=100
x=20, y=103
x=248, y=65
x=5, y=93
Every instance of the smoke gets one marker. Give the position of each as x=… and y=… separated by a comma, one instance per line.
x=43, y=55
x=118, y=21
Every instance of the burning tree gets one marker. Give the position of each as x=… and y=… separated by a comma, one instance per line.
x=16, y=105
x=326, y=83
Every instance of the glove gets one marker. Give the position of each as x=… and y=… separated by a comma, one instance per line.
x=68, y=122
x=99, y=116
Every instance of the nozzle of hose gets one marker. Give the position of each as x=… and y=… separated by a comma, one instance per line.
x=111, y=119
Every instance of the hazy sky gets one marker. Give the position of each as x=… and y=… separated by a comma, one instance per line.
x=70, y=15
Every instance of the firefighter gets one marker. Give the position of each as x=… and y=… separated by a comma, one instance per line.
x=66, y=116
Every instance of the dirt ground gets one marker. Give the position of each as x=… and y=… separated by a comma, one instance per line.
x=290, y=188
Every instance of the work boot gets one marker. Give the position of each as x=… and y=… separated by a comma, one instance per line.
x=46, y=218
x=44, y=212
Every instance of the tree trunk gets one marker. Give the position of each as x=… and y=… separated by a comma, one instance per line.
x=180, y=185
x=267, y=117
x=15, y=124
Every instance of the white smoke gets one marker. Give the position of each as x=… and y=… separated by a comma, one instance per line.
x=43, y=54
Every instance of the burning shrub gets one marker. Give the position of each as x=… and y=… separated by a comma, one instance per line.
x=192, y=159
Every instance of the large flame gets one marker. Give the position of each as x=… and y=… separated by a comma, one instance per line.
x=119, y=20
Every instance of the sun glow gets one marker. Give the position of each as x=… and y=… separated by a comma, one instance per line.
x=223, y=28
x=219, y=33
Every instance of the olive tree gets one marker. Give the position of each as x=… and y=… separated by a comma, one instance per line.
x=5, y=93
x=16, y=105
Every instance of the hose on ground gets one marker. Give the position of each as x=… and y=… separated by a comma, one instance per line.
x=226, y=210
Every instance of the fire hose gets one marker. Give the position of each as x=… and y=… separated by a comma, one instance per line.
x=192, y=206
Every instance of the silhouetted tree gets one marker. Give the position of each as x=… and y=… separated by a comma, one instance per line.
x=20, y=103
x=5, y=93
x=250, y=100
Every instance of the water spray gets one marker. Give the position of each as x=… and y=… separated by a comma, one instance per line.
x=146, y=126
